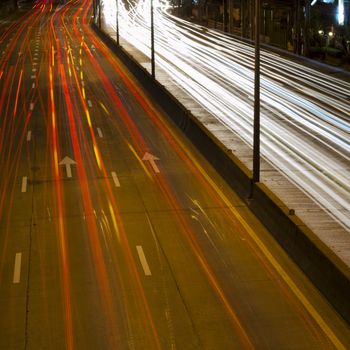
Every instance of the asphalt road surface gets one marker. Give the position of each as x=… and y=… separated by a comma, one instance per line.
x=114, y=232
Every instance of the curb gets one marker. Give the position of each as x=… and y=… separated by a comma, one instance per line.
x=326, y=270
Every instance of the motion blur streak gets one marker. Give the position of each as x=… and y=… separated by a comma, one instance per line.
x=304, y=114
x=214, y=278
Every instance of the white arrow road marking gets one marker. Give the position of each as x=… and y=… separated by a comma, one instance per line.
x=17, y=269
x=29, y=135
x=68, y=162
x=99, y=133
x=151, y=159
x=115, y=179
x=24, y=184
x=143, y=261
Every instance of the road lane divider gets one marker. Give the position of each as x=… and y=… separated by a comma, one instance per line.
x=29, y=135
x=89, y=103
x=99, y=131
x=17, y=269
x=24, y=184
x=115, y=179
x=143, y=261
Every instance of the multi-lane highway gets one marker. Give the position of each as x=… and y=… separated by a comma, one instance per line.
x=305, y=127
x=114, y=232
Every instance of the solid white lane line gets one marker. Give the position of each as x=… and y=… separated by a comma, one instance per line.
x=17, y=269
x=24, y=184
x=89, y=103
x=115, y=179
x=29, y=135
x=143, y=261
x=99, y=132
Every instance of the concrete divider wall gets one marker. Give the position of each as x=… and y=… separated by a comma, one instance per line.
x=328, y=273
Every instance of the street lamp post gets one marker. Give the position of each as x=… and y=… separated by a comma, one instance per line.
x=117, y=20
x=256, y=136
x=99, y=14
x=152, y=42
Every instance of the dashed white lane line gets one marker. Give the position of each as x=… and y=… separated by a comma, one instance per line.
x=115, y=179
x=33, y=76
x=33, y=85
x=31, y=106
x=17, y=269
x=89, y=103
x=143, y=261
x=49, y=213
x=29, y=135
x=99, y=133
x=24, y=184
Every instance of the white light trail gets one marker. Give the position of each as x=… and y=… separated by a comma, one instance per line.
x=305, y=114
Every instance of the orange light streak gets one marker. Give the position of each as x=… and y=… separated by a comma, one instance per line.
x=17, y=93
x=53, y=55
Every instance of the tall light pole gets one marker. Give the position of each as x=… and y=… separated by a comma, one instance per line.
x=256, y=136
x=117, y=20
x=152, y=42
x=99, y=14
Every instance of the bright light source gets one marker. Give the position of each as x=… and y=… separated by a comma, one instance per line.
x=321, y=32
x=330, y=34
x=341, y=12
